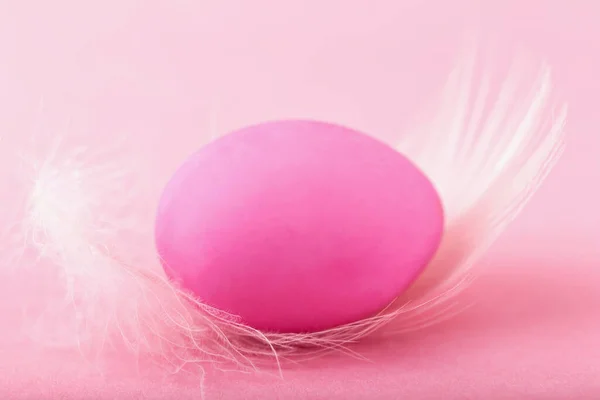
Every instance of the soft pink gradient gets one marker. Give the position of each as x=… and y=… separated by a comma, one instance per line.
x=167, y=70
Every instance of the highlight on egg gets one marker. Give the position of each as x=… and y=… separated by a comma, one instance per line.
x=280, y=240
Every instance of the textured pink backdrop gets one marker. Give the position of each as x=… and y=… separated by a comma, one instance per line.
x=166, y=70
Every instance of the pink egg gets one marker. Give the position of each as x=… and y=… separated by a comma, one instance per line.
x=298, y=226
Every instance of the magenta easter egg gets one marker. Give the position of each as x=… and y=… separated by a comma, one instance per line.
x=298, y=226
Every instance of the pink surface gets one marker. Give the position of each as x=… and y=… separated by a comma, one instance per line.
x=165, y=70
x=298, y=226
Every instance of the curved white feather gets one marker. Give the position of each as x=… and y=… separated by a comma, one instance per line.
x=81, y=251
x=487, y=150
x=84, y=232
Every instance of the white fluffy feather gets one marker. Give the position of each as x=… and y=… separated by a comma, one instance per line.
x=86, y=235
x=487, y=150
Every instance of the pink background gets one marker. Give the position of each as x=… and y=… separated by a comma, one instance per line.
x=167, y=70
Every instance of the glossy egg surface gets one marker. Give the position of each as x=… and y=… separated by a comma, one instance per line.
x=298, y=226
